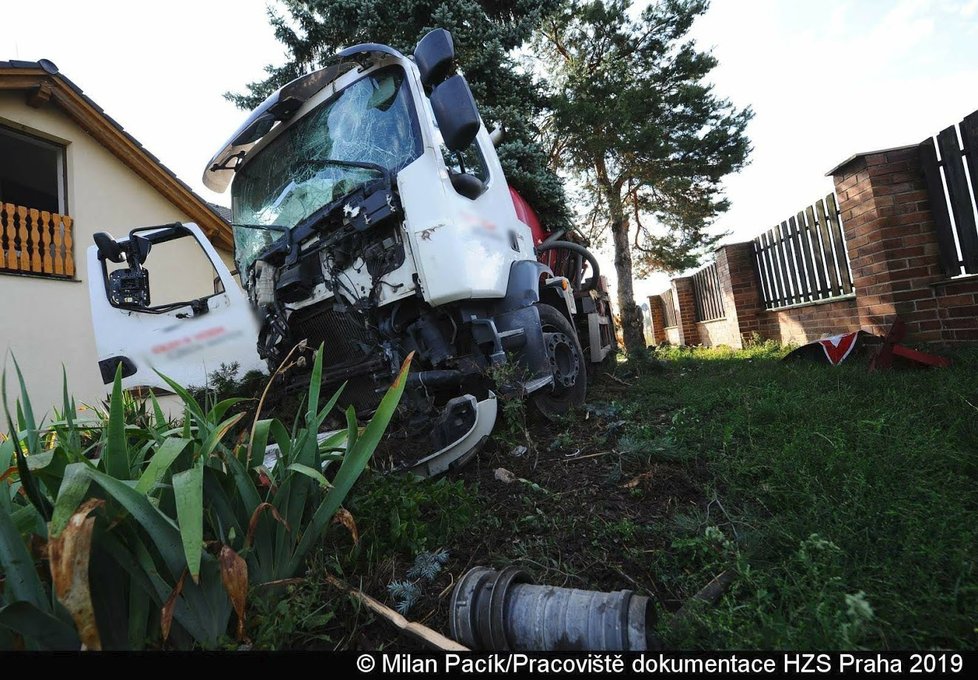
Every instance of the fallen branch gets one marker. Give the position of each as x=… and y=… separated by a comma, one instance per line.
x=415, y=630
x=708, y=595
x=619, y=380
x=591, y=455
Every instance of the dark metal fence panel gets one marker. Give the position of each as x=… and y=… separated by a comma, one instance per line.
x=952, y=182
x=708, y=294
x=803, y=259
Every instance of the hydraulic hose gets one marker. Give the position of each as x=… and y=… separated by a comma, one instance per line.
x=580, y=250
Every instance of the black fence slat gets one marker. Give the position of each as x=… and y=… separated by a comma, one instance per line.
x=799, y=265
x=802, y=288
x=815, y=245
x=801, y=238
x=761, y=256
x=781, y=261
x=718, y=291
x=778, y=257
x=838, y=242
x=773, y=254
x=791, y=263
x=759, y=265
x=697, y=298
x=950, y=264
x=772, y=293
x=957, y=189
x=712, y=288
x=969, y=138
x=826, y=245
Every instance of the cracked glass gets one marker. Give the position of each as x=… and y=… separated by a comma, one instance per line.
x=371, y=121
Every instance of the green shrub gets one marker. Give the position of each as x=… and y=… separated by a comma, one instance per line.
x=156, y=533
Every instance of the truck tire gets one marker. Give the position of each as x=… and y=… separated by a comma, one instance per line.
x=569, y=363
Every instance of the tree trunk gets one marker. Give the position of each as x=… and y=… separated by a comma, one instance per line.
x=631, y=317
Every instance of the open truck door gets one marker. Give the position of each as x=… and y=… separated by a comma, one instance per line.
x=163, y=300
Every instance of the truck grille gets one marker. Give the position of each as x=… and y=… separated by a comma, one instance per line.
x=347, y=342
x=344, y=335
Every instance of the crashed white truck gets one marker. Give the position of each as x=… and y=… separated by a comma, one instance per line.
x=370, y=215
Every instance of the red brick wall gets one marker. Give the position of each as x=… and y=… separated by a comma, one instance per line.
x=956, y=303
x=747, y=306
x=892, y=247
x=804, y=324
x=891, y=241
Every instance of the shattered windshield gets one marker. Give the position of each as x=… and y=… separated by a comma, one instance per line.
x=371, y=121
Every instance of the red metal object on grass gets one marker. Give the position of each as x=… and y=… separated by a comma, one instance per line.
x=891, y=348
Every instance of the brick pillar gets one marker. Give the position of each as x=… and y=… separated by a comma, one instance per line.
x=684, y=297
x=891, y=241
x=742, y=302
x=658, y=319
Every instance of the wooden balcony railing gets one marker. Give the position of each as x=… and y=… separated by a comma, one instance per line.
x=35, y=241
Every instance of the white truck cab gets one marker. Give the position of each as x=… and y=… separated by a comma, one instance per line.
x=370, y=216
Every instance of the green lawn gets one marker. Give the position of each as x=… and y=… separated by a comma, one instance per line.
x=847, y=501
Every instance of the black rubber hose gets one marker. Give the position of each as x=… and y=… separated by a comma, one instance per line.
x=580, y=250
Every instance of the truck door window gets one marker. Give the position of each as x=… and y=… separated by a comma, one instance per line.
x=178, y=271
x=469, y=160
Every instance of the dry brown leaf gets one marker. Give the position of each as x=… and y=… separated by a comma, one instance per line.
x=69, y=555
x=166, y=615
x=345, y=517
x=253, y=523
x=234, y=575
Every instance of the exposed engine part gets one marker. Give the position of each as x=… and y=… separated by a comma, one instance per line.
x=263, y=291
x=431, y=340
x=504, y=611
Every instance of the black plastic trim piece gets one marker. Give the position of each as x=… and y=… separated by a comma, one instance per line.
x=107, y=367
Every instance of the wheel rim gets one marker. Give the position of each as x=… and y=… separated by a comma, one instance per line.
x=565, y=364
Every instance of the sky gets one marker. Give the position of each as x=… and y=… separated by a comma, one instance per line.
x=825, y=78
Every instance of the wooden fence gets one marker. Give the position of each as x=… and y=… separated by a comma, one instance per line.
x=35, y=241
x=707, y=293
x=668, y=310
x=803, y=259
x=947, y=184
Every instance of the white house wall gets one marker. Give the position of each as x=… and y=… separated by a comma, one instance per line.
x=45, y=322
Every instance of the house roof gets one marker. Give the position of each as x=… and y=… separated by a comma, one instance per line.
x=45, y=84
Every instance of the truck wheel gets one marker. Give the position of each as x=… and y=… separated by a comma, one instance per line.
x=567, y=362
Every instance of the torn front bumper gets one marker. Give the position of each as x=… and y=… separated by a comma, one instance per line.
x=449, y=457
x=461, y=451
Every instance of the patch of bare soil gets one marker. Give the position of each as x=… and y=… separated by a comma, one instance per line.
x=574, y=511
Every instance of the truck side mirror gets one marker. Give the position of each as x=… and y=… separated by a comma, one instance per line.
x=456, y=113
x=139, y=247
x=435, y=56
x=108, y=248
